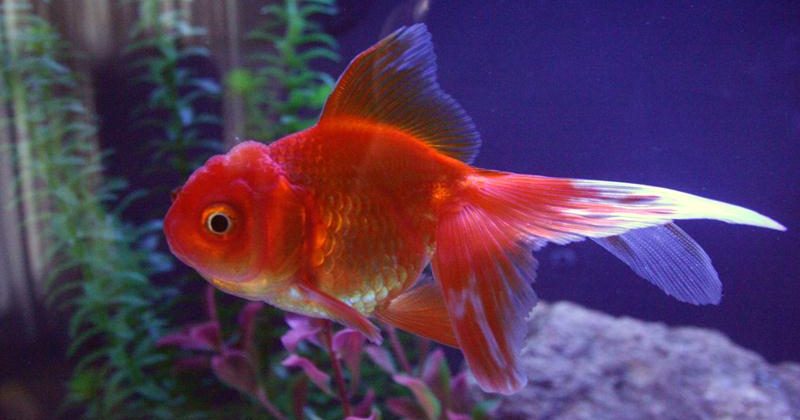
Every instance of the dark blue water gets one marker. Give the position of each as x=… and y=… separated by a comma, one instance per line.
x=701, y=97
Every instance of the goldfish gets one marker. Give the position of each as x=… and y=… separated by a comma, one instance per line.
x=340, y=220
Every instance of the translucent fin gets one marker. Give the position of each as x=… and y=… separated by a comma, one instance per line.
x=670, y=259
x=483, y=270
x=341, y=312
x=393, y=83
x=636, y=221
x=420, y=311
x=563, y=210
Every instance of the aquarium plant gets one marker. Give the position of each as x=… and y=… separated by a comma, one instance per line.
x=97, y=270
x=121, y=292
x=281, y=91
x=181, y=132
x=329, y=358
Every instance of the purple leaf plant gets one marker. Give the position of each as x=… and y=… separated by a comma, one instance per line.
x=235, y=365
x=435, y=392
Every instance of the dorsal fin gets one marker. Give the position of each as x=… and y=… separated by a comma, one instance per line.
x=394, y=83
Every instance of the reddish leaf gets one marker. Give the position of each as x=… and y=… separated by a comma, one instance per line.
x=347, y=345
x=247, y=317
x=381, y=357
x=405, y=408
x=436, y=374
x=431, y=369
x=299, y=396
x=364, y=408
x=203, y=336
x=374, y=415
x=422, y=394
x=233, y=368
x=320, y=378
x=457, y=416
x=301, y=328
x=461, y=399
x=211, y=304
x=193, y=363
x=348, y=341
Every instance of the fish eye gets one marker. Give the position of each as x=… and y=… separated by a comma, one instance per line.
x=220, y=219
x=219, y=223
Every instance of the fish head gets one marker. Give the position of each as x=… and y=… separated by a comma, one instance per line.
x=238, y=222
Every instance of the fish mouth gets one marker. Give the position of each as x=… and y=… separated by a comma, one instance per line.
x=170, y=229
x=174, y=247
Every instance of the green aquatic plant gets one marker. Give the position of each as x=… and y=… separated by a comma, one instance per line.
x=281, y=91
x=182, y=129
x=162, y=58
x=97, y=269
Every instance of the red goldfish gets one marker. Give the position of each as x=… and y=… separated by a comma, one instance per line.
x=339, y=220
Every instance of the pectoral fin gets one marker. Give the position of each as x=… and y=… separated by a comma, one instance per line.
x=341, y=312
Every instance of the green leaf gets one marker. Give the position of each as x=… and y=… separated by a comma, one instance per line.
x=88, y=359
x=274, y=9
x=208, y=85
x=56, y=292
x=194, y=51
x=319, y=37
x=85, y=385
x=319, y=53
x=422, y=393
x=187, y=115
x=77, y=342
x=318, y=9
x=484, y=409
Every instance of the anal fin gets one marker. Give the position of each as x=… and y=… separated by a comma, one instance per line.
x=420, y=311
x=669, y=258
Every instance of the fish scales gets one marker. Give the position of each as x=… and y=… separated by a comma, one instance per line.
x=370, y=248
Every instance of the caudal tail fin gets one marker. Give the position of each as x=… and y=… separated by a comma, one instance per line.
x=483, y=260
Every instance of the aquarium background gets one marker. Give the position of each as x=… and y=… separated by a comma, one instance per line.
x=703, y=97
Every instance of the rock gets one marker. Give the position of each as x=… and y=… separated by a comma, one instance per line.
x=583, y=364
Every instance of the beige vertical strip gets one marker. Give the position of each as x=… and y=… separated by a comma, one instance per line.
x=233, y=107
x=24, y=152
x=12, y=269
x=15, y=288
x=222, y=20
x=90, y=28
x=186, y=8
x=21, y=294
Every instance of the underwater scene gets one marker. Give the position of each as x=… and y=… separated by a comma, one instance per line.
x=399, y=209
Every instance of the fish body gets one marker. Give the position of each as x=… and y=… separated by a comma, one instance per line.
x=338, y=221
x=353, y=177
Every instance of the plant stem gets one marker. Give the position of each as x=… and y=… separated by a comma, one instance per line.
x=262, y=398
x=327, y=336
x=423, y=348
x=398, y=350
